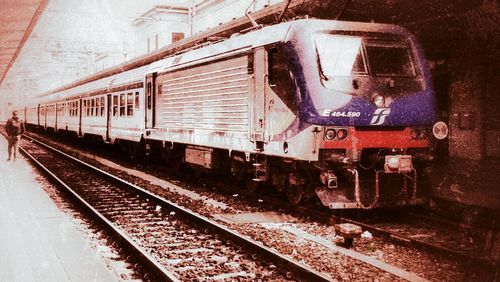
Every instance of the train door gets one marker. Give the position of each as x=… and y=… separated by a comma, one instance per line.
x=80, y=117
x=150, y=100
x=109, y=114
x=259, y=94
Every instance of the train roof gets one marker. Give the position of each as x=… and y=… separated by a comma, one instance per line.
x=282, y=32
x=238, y=43
x=117, y=80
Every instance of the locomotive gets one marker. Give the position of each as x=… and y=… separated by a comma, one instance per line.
x=339, y=112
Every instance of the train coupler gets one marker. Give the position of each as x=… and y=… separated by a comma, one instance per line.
x=329, y=179
x=335, y=199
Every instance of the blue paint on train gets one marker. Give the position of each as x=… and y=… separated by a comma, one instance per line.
x=411, y=108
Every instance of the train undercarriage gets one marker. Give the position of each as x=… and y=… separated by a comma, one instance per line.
x=381, y=178
x=378, y=178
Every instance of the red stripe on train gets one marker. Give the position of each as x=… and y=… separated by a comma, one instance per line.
x=376, y=139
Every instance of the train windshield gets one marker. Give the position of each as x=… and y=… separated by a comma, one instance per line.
x=342, y=55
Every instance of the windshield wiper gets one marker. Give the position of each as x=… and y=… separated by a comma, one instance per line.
x=321, y=73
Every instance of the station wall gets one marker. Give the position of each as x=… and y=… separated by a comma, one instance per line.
x=464, y=52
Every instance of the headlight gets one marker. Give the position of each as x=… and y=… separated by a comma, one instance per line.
x=341, y=134
x=418, y=134
x=423, y=134
x=398, y=164
x=393, y=163
x=414, y=133
x=335, y=134
x=330, y=134
x=440, y=130
x=378, y=100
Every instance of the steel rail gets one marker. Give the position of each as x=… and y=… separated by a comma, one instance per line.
x=151, y=264
x=399, y=239
x=329, y=218
x=286, y=265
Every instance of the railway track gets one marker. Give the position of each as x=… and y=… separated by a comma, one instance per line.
x=171, y=242
x=414, y=230
x=408, y=229
x=391, y=232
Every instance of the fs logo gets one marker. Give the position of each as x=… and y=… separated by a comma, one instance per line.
x=379, y=116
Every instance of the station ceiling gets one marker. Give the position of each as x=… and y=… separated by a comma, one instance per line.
x=17, y=20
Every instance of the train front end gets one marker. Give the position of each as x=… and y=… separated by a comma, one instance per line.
x=365, y=90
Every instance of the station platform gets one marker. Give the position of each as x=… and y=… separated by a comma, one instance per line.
x=39, y=242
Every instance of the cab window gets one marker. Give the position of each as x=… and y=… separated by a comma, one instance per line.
x=280, y=77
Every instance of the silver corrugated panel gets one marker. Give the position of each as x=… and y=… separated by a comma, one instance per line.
x=213, y=96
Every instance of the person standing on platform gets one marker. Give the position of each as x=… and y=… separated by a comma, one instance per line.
x=14, y=129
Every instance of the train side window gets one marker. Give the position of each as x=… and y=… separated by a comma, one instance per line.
x=281, y=78
x=130, y=104
x=85, y=112
x=97, y=110
x=137, y=104
x=149, y=95
x=92, y=105
x=122, y=104
x=115, y=105
x=102, y=106
x=97, y=107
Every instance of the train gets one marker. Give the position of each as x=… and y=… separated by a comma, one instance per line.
x=339, y=113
